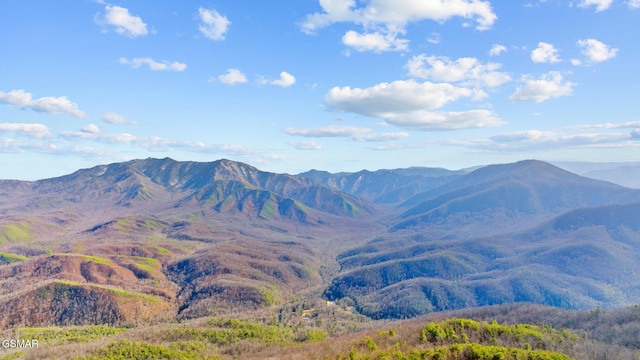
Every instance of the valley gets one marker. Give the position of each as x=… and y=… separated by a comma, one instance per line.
x=223, y=260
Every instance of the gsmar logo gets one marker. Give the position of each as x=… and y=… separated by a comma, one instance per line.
x=18, y=343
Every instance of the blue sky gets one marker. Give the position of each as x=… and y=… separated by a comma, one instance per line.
x=339, y=85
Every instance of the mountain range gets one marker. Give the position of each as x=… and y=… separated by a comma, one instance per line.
x=157, y=238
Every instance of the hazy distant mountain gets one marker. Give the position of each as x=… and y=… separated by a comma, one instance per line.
x=624, y=173
x=518, y=190
x=385, y=186
x=628, y=176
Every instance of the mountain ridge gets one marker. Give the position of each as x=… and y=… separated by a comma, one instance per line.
x=393, y=243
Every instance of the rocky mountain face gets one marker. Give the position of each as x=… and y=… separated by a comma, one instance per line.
x=183, y=239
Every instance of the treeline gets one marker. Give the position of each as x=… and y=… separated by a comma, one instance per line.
x=604, y=334
x=464, y=339
x=616, y=327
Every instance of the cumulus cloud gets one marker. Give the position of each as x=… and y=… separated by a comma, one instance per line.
x=376, y=41
x=392, y=13
x=113, y=118
x=409, y=103
x=599, y=4
x=467, y=71
x=596, y=51
x=48, y=104
x=38, y=131
x=550, y=85
x=136, y=63
x=213, y=25
x=123, y=22
x=497, y=49
x=384, y=20
x=398, y=96
x=634, y=4
x=306, y=145
x=285, y=80
x=545, y=53
x=232, y=77
x=91, y=129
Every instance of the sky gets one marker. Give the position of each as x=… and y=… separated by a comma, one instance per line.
x=336, y=85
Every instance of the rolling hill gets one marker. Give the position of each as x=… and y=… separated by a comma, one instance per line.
x=584, y=258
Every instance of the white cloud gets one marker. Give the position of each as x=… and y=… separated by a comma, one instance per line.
x=383, y=20
x=625, y=125
x=156, y=143
x=91, y=129
x=442, y=121
x=214, y=26
x=497, y=49
x=38, y=131
x=354, y=133
x=535, y=139
x=376, y=41
x=523, y=135
x=468, y=71
x=113, y=118
x=123, y=22
x=434, y=38
x=634, y=4
x=599, y=4
x=13, y=146
x=540, y=140
x=382, y=137
x=545, y=53
x=285, y=80
x=396, y=97
x=550, y=85
x=123, y=138
x=50, y=105
x=232, y=77
x=408, y=104
x=306, y=145
x=153, y=143
x=328, y=131
x=394, y=14
x=136, y=63
x=596, y=51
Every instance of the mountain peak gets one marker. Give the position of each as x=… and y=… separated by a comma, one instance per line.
x=524, y=168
